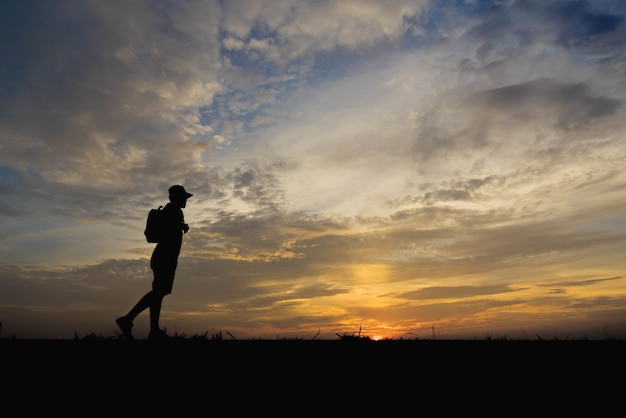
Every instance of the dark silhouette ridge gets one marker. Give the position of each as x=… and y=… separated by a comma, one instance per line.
x=303, y=359
x=342, y=377
x=163, y=263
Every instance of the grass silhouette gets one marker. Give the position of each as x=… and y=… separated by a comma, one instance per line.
x=345, y=336
x=352, y=361
x=543, y=374
x=348, y=336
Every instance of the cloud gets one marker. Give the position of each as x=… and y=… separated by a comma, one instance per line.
x=582, y=282
x=455, y=292
x=571, y=105
x=351, y=162
x=114, y=112
x=302, y=28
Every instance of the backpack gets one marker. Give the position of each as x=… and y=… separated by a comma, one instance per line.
x=154, y=225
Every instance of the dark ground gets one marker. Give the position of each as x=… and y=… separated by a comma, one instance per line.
x=335, y=377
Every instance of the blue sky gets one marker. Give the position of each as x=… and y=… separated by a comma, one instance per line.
x=407, y=168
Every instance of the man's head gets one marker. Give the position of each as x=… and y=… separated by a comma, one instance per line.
x=178, y=195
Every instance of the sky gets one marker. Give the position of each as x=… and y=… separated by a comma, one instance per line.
x=398, y=170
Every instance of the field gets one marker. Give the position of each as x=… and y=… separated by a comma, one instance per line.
x=343, y=376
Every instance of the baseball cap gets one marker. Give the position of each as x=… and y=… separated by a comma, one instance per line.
x=178, y=190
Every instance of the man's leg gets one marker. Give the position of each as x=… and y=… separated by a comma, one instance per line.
x=144, y=302
x=155, y=311
x=161, y=286
x=126, y=322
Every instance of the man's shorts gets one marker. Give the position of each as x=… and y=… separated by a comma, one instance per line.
x=163, y=279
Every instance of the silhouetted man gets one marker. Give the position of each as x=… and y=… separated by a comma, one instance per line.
x=163, y=264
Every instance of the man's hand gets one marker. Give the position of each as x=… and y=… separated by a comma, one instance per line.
x=185, y=228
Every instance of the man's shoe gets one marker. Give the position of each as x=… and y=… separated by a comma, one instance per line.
x=126, y=327
x=158, y=335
